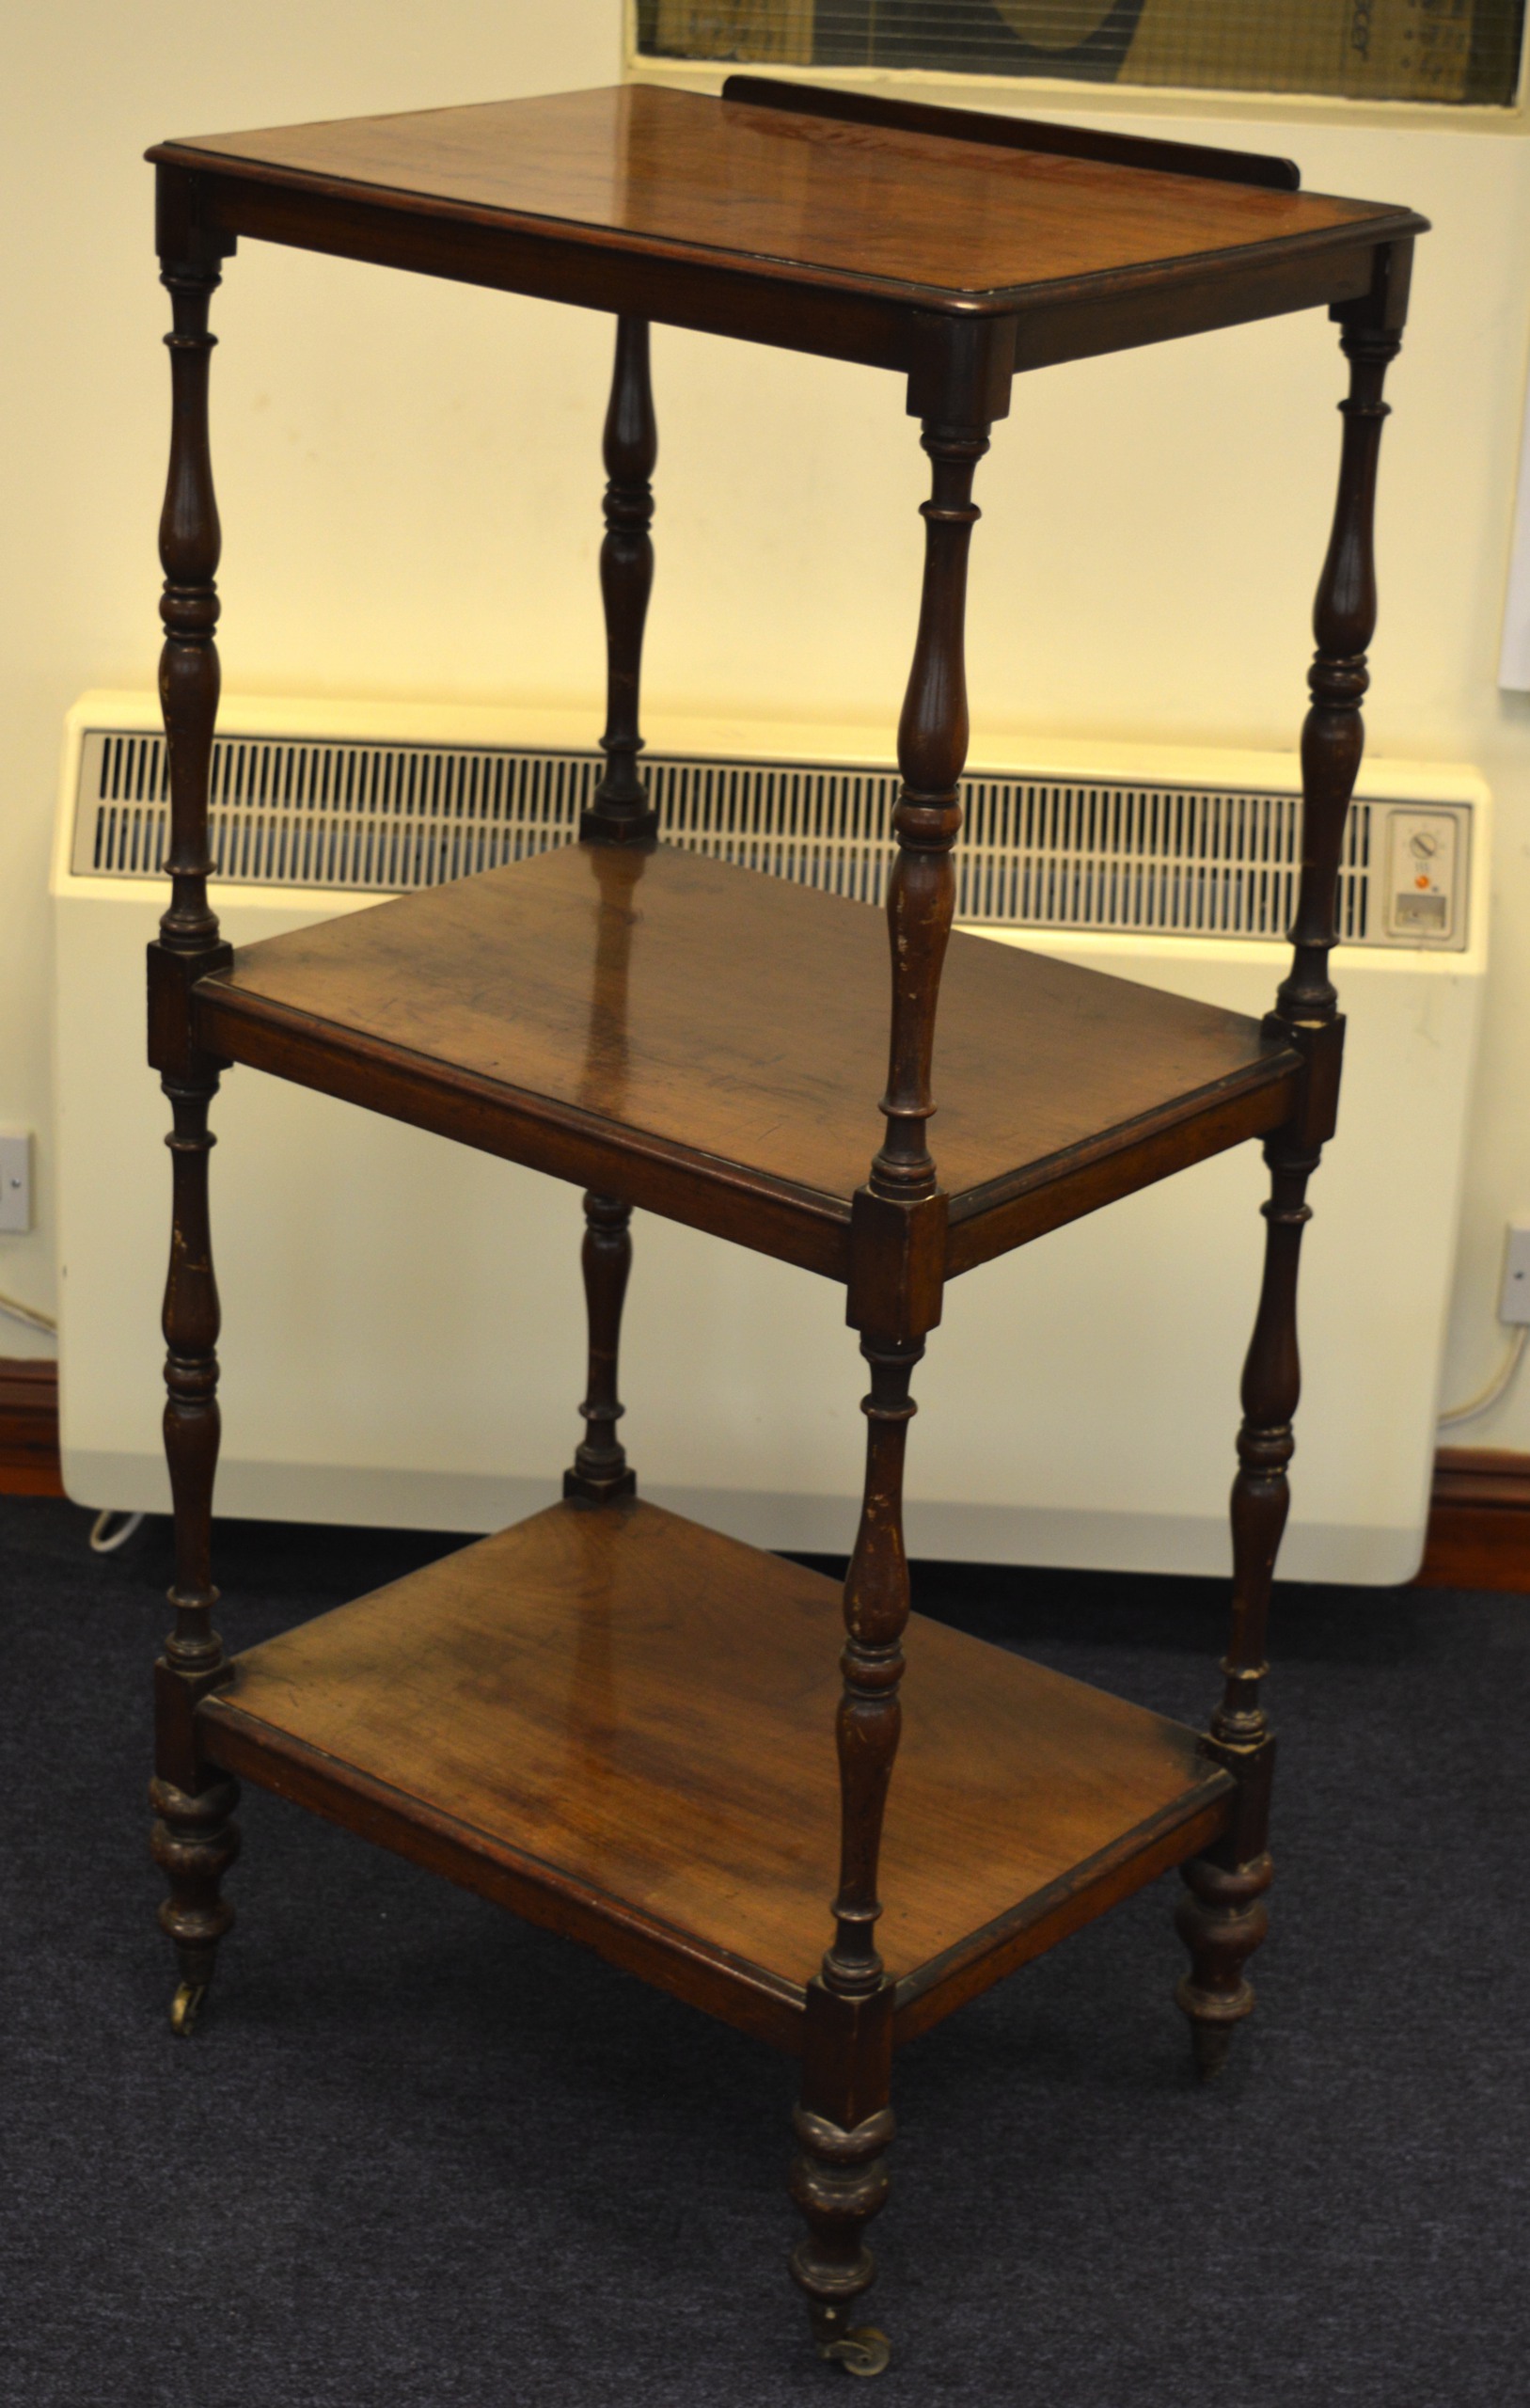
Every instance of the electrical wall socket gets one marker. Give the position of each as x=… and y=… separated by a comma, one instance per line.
x=16, y=1184
x=1514, y=1303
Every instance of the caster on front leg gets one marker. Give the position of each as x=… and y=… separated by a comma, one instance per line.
x=859, y=2349
x=1221, y=1923
x=839, y=2182
x=194, y=1841
x=185, y=2007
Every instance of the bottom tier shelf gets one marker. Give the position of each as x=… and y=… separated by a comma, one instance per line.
x=621, y=1724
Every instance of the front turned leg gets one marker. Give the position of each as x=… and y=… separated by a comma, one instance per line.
x=1221, y=1923
x=1224, y=1918
x=838, y=2177
x=194, y=1839
x=844, y=2122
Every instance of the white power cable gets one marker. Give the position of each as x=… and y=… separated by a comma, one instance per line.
x=29, y=1314
x=100, y=1542
x=1496, y=1386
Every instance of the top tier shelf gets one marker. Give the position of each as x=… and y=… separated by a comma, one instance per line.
x=835, y=226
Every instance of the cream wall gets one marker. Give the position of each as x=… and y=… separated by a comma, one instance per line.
x=377, y=522
x=409, y=480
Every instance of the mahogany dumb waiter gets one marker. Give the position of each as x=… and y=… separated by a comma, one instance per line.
x=610, y=1720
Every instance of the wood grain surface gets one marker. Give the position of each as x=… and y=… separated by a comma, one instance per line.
x=29, y=1464
x=878, y=202
x=643, y=1710
x=735, y=1016
x=1479, y=1521
x=608, y=1718
x=1000, y=130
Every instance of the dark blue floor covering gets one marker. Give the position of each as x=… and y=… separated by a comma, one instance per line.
x=422, y=2157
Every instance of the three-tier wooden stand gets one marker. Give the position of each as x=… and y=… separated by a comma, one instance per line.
x=610, y=1720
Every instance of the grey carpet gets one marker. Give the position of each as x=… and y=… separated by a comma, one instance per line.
x=422, y=2156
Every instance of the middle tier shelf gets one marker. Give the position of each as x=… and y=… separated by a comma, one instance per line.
x=621, y=1725
x=711, y=1042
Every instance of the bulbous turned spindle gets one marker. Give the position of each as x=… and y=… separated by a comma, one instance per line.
x=1221, y=1923
x=192, y=1421
x=1261, y=1499
x=870, y=1717
x=601, y=1473
x=1224, y=1919
x=190, y=542
x=195, y=1840
x=932, y=752
x=620, y=813
x=839, y=2179
x=1343, y=621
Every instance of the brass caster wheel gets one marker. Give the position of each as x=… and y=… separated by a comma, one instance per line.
x=185, y=2007
x=863, y=2352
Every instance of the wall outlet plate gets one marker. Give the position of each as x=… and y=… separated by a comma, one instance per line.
x=16, y=1184
x=1514, y=1302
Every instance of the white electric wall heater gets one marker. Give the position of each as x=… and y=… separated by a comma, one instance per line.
x=1079, y=1401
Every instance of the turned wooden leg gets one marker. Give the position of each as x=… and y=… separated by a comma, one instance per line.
x=194, y=1840
x=844, y=2122
x=838, y=2177
x=620, y=813
x=601, y=1473
x=1222, y=1924
x=898, y=1237
x=1224, y=1919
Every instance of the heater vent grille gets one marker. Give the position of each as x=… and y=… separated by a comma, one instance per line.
x=1099, y=853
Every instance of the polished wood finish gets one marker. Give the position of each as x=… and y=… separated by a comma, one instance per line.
x=190, y=540
x=1480, y=1521
x=932, y=752
x=192, y=1419
x=29, y=1464
x=193, y=1842
x=1343, y=621
x=624, y=1723
x=870, y=1717
x=601, y=1472
x=643, y=165
x=710, y=1043
x=842, y=2122
x=1224, y=1919
x=863, y=242
x=620, y=813
x=1016, y=133
x=612, y=1721
x=194, y=1838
